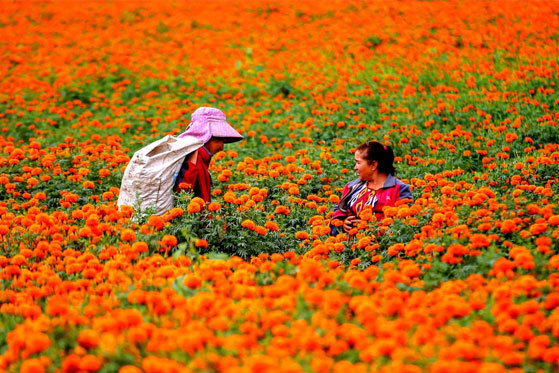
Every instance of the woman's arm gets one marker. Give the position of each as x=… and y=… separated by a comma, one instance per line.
x=346, y=219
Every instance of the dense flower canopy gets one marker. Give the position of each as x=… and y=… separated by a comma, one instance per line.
x=465, y=278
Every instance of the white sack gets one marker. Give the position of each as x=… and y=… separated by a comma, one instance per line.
x=150, y=176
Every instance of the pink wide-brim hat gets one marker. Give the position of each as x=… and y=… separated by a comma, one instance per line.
x=208, y=122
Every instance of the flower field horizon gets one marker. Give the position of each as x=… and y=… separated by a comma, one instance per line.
x=463, y=279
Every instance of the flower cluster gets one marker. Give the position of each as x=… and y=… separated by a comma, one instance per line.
x=463, y=278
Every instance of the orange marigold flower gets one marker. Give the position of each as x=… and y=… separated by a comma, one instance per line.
x=484, y=227
x=411, y=269
x=214, y=206
x=457, y=250
x=18, y=260
x=272, y=226
x=552, y=301
x=479, y=240
x=128, y=235
x=367, y=214
x=334, y=198
x=551, y=355
x=92, y=220
x=36, y=342
x=129, y=369
x=387, y=221
x=395, y=249
x=508, y=226
x=337, y=222
x=32, y=181
x=145, y=229
x=300, y=235
x=140, y=247
x=538, y=228
x=137, y=335
x=32, y=366
x=85, y=232
x=88, y=338
x=173, y=213
x=503, y=265
x=510, y=137
x=282, y=210
x=169, y=240
x=356, y=279
x=260, y=230
x=543, y=241
x=201, y=243
x=198, y=200
x=108, y=196
x=90, y=363
x=71, y=363
x=156, y=221
x=363, y=242
x=293, y=190
x=192, y=281
x=355, y=261
x=193, y=208
x=538, y=346
x=248, y=224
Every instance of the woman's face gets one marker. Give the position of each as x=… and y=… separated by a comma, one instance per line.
x=215, y=145
x=364, y=169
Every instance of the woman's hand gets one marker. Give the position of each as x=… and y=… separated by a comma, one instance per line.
x=351, y=222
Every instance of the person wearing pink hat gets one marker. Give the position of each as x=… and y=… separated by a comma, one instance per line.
x=210, y=126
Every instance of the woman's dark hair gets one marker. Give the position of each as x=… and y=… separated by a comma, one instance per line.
x=383, y=154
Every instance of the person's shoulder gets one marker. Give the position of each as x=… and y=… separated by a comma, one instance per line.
x=353, y=182
x=350, y=186
x=400, y=182
x=405, y=190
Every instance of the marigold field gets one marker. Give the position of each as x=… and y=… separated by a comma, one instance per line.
x=464, y=279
